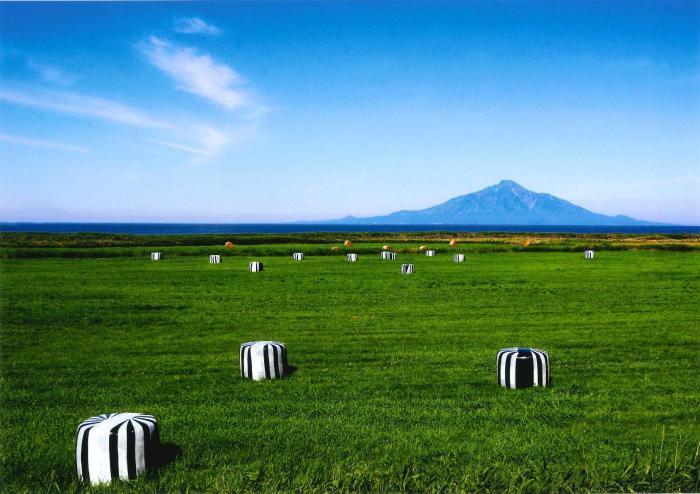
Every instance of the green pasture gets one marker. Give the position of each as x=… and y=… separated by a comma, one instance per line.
x=395, y=382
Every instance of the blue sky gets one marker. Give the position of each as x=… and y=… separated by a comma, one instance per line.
x=285, y=111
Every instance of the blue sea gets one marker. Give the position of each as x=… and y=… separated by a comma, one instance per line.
x=199, y=228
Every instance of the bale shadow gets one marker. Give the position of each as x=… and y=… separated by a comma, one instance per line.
x=166, y=454
x=289, y=370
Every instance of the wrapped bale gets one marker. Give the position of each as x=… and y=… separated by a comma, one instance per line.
x=407, y=269
x=352, y=257
x=430, y=253
x=588, y=254
x=388, y=256
x=298, y=256
x=263, y=360
x=156, y=256
x=459, y=258
x=255, y=266
x=215, y=259
x=116, y=446
x=523, y=367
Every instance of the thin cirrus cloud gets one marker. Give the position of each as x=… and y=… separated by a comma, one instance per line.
x=79, y=104
x=50, y=73
x=194, y=25
x=198, y=74
x=27, y=141
x=210, y=141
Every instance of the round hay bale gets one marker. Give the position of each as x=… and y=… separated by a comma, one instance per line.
x=335, y=248
x=347, y=243
x=387, y=247
x=263, y=360
x=423, y=248
x=116, y=446
x=229, y=245
x=523, y=367
x=453, y=242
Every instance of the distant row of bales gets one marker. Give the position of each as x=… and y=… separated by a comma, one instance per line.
x=385, y=254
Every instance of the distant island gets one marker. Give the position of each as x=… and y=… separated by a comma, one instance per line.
x=506, y=203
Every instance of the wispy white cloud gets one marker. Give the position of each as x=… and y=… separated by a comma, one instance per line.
x=198, y=74
x=194, y=25
x=79, y=104
x=181, y=147
x=26, y=141
x=202, y=141
x=50, y=73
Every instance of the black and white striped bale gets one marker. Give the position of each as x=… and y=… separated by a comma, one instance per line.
x=255, y=266
x=215, y=259
x=459, y=258
x=298, y=256
x=523, y=367
x=352, y=257
x=388, y=256
x=430, y=253
x=116, y=446
x=407, y=269
x=263, y=360
x=588, y=254
x=156, y=256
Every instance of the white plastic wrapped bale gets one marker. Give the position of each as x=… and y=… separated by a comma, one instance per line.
x=215, y=259
x=156, y=256
x=459, y=258
x=116, y=446
x=352, y=257
x=588, y=254
x=523, y=367
x=263, y=360
x=388, y=256
x=255, y=266
x=407, y=269
x=430, y=253
x=298, y=256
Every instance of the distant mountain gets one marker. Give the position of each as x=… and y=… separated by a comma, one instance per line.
x=505, y=203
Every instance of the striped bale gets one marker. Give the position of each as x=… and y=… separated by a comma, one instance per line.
x=255, y=266
x=298, y=256
x=215, y=259
x=156, y=256
x=352, y=257
x=430, y=253
x=116, y=446
x=523, y=367
x=263, y=360
x=588, y=254
x=388, y=256
x=459, y=258
x=408, y=269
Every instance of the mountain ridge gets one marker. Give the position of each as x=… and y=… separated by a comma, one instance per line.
x=505, y=203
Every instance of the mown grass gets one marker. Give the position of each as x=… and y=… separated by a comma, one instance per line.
x=394, y=388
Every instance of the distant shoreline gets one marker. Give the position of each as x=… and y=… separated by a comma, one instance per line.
x=290, y=228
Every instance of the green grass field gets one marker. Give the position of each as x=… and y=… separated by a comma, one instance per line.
x=395, y=383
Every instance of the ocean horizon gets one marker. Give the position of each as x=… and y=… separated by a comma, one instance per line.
x=283, y=228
